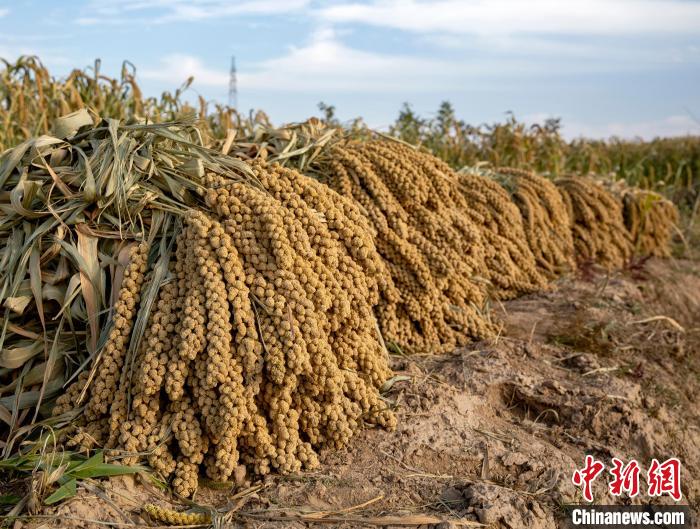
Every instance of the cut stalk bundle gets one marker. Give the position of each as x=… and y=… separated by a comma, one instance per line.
x=224, y=309
x=599, y=231
x=546, y=219
x=262, y=347
x=72, y=210
x=510, y=264
x=434, y=293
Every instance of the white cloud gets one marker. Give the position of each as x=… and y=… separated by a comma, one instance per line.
x=129, y=11
x=677, y=125
x=4, y=12
x=175, y=69
x=597, y=17
x=325, y=63
x=524, y=45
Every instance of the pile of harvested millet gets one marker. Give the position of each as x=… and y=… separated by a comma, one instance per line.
x=546, y=220
x=510, y=264
x=434, y=293
x=650, y=218
x=263, y=343
x=598, y=226
x=261, y=347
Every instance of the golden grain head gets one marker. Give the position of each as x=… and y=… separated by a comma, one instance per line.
x=545, y=218
x=432, y=255
x=598, y=225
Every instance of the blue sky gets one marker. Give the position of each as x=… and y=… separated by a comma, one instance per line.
x=606, y=67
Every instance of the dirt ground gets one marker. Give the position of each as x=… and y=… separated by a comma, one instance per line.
x=607, y=365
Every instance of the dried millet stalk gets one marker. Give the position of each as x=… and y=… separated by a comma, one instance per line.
x=112, y=358
x=103, y=397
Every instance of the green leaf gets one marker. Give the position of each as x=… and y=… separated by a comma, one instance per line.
x=9, y=499
x=65, y=491
x=95, y=467
x=97, y=459
x=104, y=470
x=16, y=463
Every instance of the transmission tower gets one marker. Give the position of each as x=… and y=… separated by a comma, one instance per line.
x=233, y=85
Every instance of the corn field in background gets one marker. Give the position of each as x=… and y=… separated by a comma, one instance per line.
x=31, y=99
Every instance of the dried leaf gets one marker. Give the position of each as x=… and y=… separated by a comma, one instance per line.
x=69, y=125
x=87, y=248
